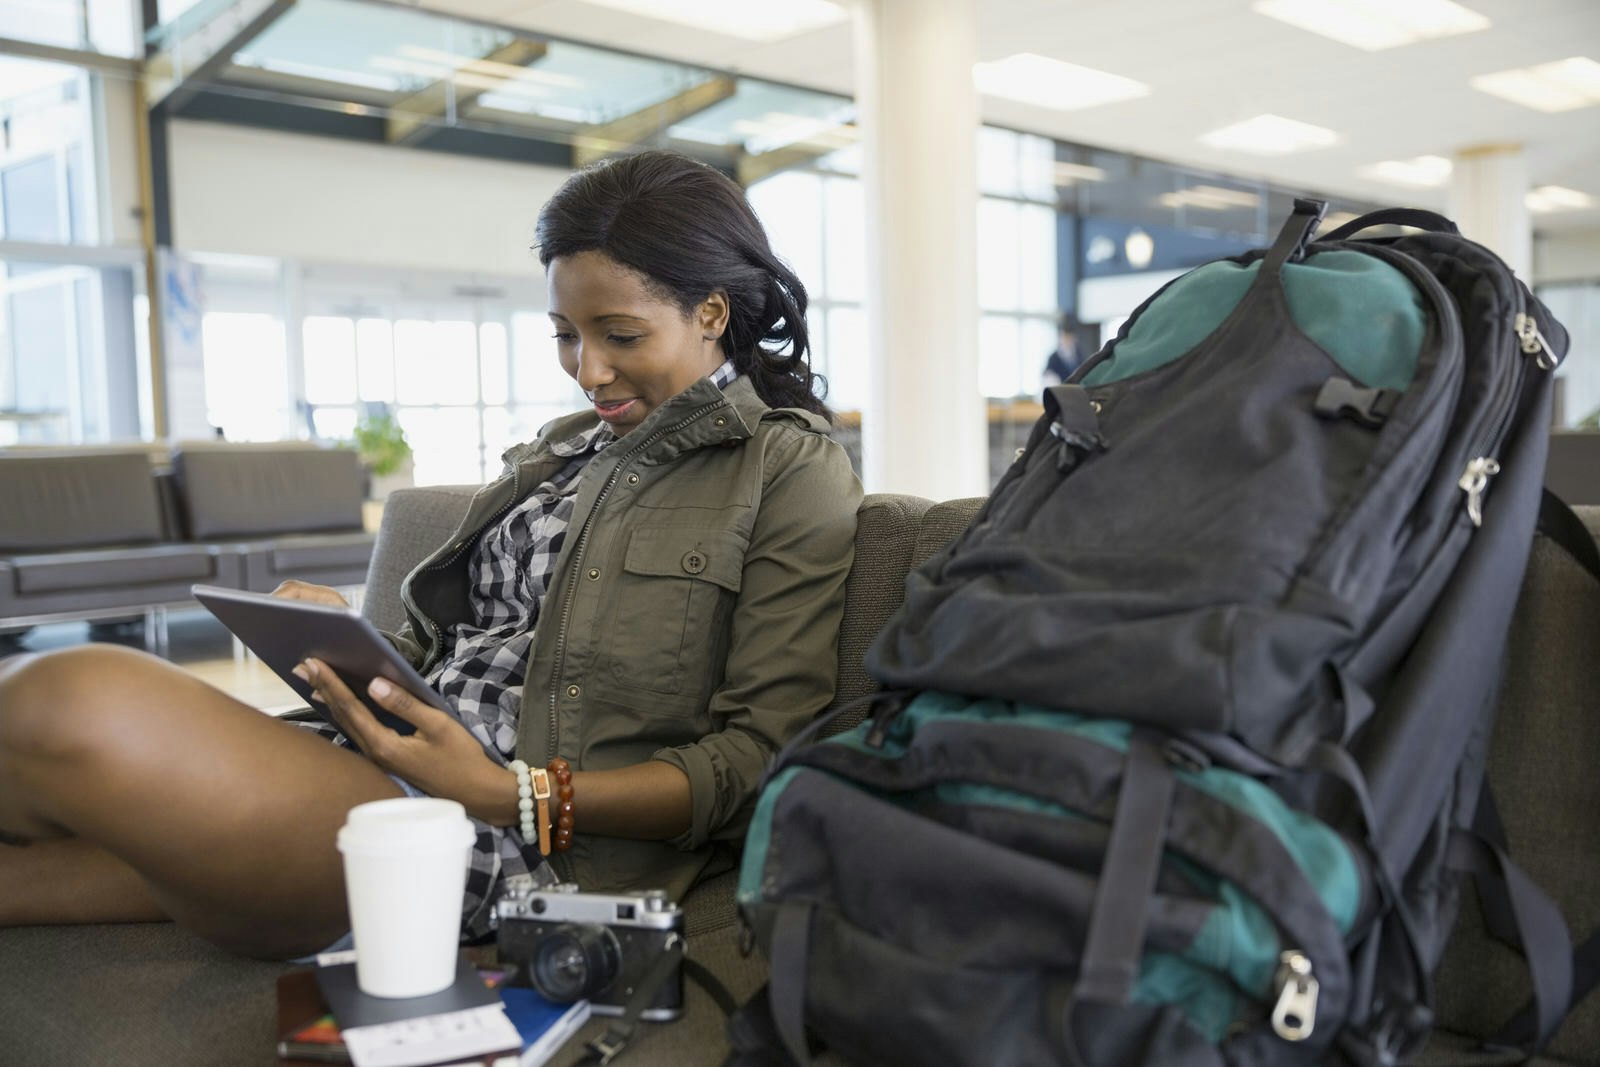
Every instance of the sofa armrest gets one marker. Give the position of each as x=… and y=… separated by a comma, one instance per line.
x=415, y=522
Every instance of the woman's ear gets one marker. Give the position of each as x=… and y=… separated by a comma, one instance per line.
x=713, y=314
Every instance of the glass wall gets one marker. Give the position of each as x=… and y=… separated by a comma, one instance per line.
x=68, y=314
x=306, y=351
x=1577, y=306
x=108, y=26
x=815, y=220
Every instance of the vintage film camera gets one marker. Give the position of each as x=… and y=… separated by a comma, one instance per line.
x=570, y=945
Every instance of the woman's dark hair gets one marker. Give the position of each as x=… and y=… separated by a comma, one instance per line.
x=688, y=230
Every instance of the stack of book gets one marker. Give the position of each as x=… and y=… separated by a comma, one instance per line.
x=323, y=1018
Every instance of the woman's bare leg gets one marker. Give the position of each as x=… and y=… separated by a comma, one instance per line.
x=71, y=881
x=226, y=816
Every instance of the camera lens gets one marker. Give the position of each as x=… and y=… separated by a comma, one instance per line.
x=574, y=961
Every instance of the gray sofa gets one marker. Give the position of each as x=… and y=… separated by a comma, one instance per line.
x=151, y=994
x=94, y=534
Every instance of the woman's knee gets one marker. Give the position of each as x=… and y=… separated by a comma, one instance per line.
x=57, y=703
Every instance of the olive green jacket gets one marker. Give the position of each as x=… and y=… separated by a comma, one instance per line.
x=693, y=616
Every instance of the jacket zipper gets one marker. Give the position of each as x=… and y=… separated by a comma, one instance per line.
x=582, y=542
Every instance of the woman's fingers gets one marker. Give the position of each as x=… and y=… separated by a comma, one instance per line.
x=294, y=589
x=382, y=744
x=347, y=710
x=397, y=701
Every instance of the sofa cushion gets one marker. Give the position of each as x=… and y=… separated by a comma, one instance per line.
x=1541, y=766
x=244, y=492
x=61, y=572
x=77, y=500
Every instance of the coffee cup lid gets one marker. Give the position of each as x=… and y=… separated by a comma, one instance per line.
x=405, y=824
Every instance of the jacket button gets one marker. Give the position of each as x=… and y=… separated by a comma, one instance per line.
x=694, y=562
x=573, y=691
x=633, y=479
x=720, y=420
x=594, y=573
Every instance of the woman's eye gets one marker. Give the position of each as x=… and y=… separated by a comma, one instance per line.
x=564, y=338
x=623, y=339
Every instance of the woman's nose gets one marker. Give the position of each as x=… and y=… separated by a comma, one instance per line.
x=593, y=371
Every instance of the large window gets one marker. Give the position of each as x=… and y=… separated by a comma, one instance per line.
x=68, y=359
x=1577, y=306
x=68, y=348
x=109, y=26
x=816, y=222
x=465, y=376
x=464, y=389
x=47, y=163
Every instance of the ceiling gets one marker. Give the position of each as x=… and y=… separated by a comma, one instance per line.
x=1209, y=63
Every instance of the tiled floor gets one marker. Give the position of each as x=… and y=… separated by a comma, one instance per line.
x=198, y=643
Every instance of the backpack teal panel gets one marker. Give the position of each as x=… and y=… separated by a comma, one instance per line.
x=1363, y=312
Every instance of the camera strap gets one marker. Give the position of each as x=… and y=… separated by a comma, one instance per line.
x=605, y=1048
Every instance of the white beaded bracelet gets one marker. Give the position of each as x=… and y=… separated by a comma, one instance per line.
x=524, y=800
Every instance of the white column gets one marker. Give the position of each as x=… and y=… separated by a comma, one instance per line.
x=1487, y=189
x=924, y=430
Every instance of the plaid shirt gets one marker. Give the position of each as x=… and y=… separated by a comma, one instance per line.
x=481, y=668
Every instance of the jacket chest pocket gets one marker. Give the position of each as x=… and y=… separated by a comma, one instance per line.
x=673, y=601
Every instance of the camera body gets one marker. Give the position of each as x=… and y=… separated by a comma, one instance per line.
x=570, y=945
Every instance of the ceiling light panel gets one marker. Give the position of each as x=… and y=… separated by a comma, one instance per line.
x=1045, y=82
x=1423, y=172
x=1565, y=85
x=1548, y=198
x=1072, y=173
x=738, y=18
x=1373, y=25
x=1270, y=135
x=1209, y=197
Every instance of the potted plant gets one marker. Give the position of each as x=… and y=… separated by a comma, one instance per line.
x=385, y=454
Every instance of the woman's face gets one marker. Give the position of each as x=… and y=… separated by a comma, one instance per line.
x=628, y=349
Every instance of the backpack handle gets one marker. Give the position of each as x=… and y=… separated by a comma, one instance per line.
x=1431, y=221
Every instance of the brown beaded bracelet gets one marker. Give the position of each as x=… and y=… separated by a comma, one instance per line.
x=561, y=772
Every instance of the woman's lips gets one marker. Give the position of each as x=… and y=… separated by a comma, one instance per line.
x=611, y=411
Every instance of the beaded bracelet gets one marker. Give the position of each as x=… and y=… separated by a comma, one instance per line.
x=533, y=795
x=561, y=771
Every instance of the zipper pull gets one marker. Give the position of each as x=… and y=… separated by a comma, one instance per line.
x=1474, y=481
x=1295, y=1014
x=1533, y=342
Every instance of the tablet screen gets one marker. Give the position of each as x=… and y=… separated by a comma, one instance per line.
x=284, y=633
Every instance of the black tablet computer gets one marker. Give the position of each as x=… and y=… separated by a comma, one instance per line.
x=284, y=633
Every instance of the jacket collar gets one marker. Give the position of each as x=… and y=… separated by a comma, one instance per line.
x=738, y=407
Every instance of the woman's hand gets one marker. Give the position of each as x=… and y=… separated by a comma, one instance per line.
x=441, y=758
x=294, y=589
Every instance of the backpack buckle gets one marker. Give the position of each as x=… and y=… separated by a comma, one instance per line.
x=1342, y=398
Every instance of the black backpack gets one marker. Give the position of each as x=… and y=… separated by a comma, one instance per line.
x=1180, y=749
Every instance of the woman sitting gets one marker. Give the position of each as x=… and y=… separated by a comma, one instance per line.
x=651, y=592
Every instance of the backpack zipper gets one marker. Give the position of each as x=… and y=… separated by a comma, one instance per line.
x=1481, y=467
x=1294, y=1015
x=1533, y=342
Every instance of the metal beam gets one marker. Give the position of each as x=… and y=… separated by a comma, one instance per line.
x=590, y=143
x=127, y=68
x=419, y=113
x=752, y=169
x=197, y=55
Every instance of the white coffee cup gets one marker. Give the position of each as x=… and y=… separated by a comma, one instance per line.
x=405, y=875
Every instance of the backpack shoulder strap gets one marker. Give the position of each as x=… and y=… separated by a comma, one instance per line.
x=1561, y=524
